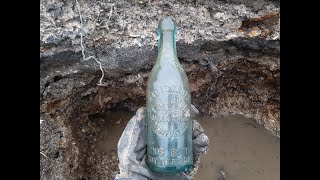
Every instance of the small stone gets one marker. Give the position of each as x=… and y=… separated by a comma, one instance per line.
x=218, y=15
x=114, y=158
x=254, y=32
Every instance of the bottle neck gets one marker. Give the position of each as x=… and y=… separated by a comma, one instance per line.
x=167, y=46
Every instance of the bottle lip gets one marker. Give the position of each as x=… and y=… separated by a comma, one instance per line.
x=166, y=30
x=167, y=24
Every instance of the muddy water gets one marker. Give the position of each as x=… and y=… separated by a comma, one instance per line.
x=116, y=122
x=239, y=147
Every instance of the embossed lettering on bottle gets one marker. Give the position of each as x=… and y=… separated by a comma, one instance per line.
x=169, y=140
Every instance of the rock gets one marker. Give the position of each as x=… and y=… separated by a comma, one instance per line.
x=230, y=51
x=114, y=158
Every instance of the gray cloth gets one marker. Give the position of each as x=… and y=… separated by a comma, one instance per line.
x=132, y=151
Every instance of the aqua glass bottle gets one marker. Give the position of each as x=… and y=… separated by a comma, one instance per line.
x=169, y=138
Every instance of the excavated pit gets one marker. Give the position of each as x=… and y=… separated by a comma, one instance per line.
x=230, y=51
x=225, y=78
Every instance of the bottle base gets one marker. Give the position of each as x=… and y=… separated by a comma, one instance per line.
x=170, y=170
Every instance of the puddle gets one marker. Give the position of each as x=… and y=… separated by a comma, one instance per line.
x=243, y=149
x=116, y=122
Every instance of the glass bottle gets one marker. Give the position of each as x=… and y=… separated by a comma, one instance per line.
x=169, y=137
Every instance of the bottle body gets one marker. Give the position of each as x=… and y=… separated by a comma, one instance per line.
x=169, y=137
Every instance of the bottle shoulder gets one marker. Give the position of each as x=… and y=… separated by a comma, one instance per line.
x=168, y=72
x=167, y=76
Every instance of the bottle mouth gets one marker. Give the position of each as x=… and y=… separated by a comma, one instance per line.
x=167, y=24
